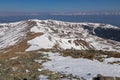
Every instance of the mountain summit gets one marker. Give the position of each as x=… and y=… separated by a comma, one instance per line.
x=61, y=35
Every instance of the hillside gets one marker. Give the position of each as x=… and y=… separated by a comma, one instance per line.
x=57, y=50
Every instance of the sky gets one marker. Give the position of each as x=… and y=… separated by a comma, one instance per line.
x=58, y=5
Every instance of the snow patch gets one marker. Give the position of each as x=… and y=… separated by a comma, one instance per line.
x=80, y=67
x=47, y=41
x=42, y=77
x=107, y=60
x=41, y=42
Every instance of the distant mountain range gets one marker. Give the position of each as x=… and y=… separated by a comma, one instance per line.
x=4, y=13
x=88, y=13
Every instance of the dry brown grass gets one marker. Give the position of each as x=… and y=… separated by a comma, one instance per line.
x=79, y=53
x=90, y=54
x=82, y=42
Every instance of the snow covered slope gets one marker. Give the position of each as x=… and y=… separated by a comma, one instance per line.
x=51, y=34
x=80, y=66
x=11, y=33
x=65, y=35
x=61, y=35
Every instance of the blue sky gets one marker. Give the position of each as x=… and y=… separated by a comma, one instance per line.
x=58, y=5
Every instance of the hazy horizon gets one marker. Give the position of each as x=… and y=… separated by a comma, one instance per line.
x=8, y=13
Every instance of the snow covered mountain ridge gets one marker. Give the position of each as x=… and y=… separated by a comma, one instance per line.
x=61, y=35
